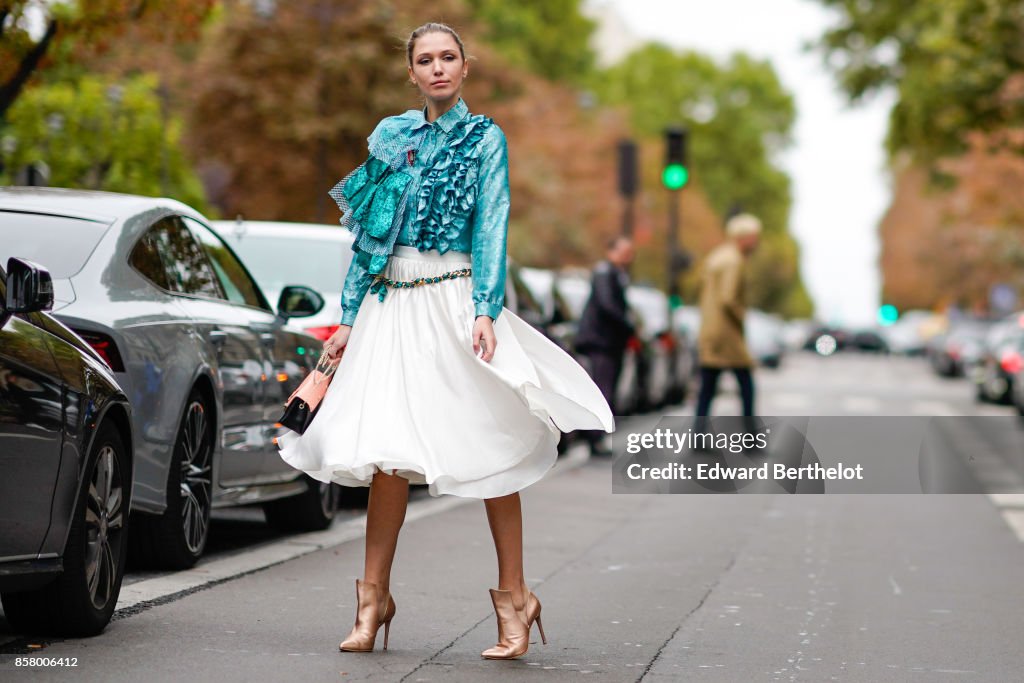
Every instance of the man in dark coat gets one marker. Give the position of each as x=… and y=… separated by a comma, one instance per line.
x=604, y=327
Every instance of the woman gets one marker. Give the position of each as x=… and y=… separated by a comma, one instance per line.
x=438, y=383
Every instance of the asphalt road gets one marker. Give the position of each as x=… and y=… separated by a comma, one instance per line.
x=634, y=587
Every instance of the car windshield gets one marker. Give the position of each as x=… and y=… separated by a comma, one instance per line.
x=279, y=261
x=652, y=306
x=575, y=292
x=60, y=244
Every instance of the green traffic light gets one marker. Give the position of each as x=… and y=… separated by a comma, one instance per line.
x=675, y=176
x=887, y=314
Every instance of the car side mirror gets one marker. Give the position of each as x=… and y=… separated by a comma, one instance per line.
x=29, y=287
x=297, y=301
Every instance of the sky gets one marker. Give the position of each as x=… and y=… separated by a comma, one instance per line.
x=837, y=162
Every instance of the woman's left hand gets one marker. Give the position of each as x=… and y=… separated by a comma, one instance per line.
x=483, y=337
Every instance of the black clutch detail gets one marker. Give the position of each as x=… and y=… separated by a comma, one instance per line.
x=298, y=416
x=304, y=403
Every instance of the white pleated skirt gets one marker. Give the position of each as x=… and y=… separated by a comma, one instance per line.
x=410, y=397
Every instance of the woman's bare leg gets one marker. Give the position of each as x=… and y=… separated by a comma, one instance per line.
x=505, y=516
x=385, y=513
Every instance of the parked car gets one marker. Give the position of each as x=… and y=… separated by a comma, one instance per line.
x=66, y=462
x=1018, y=379
x=910, y=334
x=764, y=335
x=959, y=348
x=202, y=356
x=281, y=254
x=999, y=361
x=669, y=361
x=573, y=286
x=868, y=340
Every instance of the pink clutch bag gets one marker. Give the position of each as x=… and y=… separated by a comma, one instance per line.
x=303, y=404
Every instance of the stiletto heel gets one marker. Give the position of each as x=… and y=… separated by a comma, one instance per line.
x=373, y=611
x=514, y=625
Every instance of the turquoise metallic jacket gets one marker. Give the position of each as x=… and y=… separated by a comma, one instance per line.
x=440, y=185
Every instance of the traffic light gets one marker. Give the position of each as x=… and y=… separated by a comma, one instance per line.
x=887, y=315
x=676, y=174
x=627, y=168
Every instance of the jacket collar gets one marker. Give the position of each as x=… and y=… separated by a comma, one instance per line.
x=447, y=120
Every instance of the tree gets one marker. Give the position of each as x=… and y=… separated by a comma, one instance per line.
x=551, y=38
x=78, y=26
x=740, y=117
x=100, y=134
x=957, y=67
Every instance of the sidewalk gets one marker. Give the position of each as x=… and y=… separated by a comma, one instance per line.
x=717, y=588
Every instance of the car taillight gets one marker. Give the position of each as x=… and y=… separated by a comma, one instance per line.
x=634, y=344
x=668, y=342
x=1011, y=362
x=323, y=333
x=105, y=347
x=954, y=351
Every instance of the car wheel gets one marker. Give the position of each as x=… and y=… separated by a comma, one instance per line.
x=176, y=539
x=81, y=600
x=312, y=510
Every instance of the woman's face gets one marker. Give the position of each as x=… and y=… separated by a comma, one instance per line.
x=437, y=66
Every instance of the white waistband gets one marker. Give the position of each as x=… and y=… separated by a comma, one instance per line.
x=414, y=254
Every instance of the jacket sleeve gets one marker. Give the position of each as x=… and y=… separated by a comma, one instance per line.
x=357, y=281
x=490, y=226
x=731, y=290
x=608, y=303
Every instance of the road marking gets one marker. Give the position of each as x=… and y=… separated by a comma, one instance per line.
x=162, y=588
x=932, y=408
x=790, y=401
x=861, y=404
x=1015, y=519
x=1011, y=506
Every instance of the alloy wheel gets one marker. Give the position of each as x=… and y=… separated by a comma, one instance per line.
x=196, y=476
x=104, y=524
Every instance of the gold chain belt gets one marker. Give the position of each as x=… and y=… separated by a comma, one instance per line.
x=400, y=284
x=380, y=283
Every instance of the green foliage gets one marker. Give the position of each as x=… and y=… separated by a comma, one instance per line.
x=738, y=114
x=740, y=117
x=72, y=28
x=99, y=134
x=549, y=37
x=957, y=66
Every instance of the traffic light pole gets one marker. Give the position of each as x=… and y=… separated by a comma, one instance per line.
x=673, y=245
x=628, y=182
x=674, y=178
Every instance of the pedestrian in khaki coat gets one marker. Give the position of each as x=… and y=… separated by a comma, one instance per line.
x=721, y=343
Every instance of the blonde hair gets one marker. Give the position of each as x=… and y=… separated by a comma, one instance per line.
x=432, y=27
x=742, y=225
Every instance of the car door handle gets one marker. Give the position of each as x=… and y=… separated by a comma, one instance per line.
x=217, y=338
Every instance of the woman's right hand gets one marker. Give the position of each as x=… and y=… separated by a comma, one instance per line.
x=337, y=341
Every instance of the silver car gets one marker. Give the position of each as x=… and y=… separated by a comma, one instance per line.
x=281, y=254
x=202, y=356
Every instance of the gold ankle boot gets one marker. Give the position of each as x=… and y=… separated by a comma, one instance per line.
x=373, y=610
x=514, y=625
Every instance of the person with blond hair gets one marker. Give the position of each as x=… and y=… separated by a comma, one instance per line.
x=436, y=382
x=721, y=344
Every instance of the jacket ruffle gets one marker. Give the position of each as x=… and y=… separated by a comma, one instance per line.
x=448, y=189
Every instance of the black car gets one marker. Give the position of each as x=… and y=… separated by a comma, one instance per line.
x=65, y=467
x=999, y=361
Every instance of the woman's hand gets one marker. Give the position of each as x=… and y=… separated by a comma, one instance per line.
x=337, y=342
x=483, y=337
